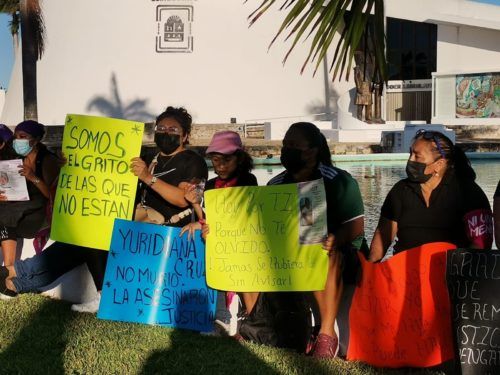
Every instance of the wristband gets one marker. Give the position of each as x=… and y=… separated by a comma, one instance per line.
x=153, y=180
x=36, y=181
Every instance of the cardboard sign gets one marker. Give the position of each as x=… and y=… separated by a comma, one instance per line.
x=260, y=241
x=95, y=185
x=153, y=276
x=400, y=312
x=473, y=278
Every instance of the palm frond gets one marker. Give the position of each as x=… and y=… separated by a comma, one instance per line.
x=104, y=106
x=14, y=24
x=9, y=6
x=323, y=20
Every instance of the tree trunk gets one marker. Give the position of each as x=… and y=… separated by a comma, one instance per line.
x=29, y=58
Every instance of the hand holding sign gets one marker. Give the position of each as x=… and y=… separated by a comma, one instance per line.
x=256, y=242
x=95, y=185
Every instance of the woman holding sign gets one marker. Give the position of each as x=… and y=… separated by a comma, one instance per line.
x=162, y=200
x=171, y=165
x=306, y=157
x=232, y=165
x=40, y=167
x=439, y=201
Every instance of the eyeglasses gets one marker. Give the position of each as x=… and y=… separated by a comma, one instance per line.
x=221, y=159
x=169, y=130
x=431, y=136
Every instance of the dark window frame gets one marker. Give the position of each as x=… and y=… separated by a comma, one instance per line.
x=409, y=71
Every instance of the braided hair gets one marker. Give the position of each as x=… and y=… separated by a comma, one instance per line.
x=443, y=146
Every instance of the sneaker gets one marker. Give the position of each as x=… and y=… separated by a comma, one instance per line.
x=5, y=293
x=234, y=308
x=88, y=307
x=325, y=347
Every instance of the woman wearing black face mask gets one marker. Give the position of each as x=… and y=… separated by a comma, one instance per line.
x=438, y=202
x=161, y=199
x=306, y=157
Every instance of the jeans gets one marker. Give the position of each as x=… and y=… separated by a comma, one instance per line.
x=44, y=268
x=221, y=311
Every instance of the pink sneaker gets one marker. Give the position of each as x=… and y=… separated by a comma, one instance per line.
x=325, y=347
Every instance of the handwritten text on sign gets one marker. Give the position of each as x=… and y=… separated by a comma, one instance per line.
x=474, y=281
x=95, y=185
x=254, y=242
x=153, y=276
x=401, y=310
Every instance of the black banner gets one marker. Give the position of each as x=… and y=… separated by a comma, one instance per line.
x=473, y=278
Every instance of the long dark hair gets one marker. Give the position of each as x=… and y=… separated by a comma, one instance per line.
x=444, y=147
x=180, y=115
x=315, y=139
x=245, y=162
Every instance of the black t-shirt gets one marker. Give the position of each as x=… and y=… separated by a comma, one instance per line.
x=497, y=192
x=442, y=221
x=182, y=167
x=245, y=179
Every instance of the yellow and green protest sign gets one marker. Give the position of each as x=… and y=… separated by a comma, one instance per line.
x=95, y=185
x=267, y=238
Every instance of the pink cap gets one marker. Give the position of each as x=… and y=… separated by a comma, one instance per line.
x=225, y=142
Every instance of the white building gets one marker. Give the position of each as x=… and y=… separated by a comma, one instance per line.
x=201, y=54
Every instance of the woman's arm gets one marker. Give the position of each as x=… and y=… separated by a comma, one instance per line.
x=50, y=171
x=172, y=194
x=477, y=217
x=479, y=228
x=382, y=238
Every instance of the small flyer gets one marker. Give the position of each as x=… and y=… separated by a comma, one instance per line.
x=312, y=212
x=12, y=184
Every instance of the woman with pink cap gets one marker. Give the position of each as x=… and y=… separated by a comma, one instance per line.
x=232, y=165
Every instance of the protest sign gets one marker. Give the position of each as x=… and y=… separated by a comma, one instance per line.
x=12, y=184
x=153, y=276
x=260, y=240
x=400, y=314
x=473, y=278
x=95, y=185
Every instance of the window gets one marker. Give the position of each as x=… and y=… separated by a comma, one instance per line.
x=411, y=49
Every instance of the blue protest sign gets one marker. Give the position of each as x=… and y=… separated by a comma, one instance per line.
x=153, y=276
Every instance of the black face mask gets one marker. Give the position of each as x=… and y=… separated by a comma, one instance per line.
x=291, y=158
x=415, y=172
x=167, y=143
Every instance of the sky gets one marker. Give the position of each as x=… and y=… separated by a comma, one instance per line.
x=6, y=52
x=494, y=2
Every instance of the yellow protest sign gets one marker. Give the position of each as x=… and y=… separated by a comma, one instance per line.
x=95, y=185
x=267, y=238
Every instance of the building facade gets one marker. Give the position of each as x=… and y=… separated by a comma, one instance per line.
x=131, y=59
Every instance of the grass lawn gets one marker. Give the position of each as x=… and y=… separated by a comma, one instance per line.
x=42, y=336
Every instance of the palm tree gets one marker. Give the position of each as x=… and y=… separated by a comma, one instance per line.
x=355, y=20
x=28, y=14
x=115, y=108
x=11, y=7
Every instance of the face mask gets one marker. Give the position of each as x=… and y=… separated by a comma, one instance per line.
x=291, y=158
x=22, y=146
x=167, y=143
x=415, y=172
